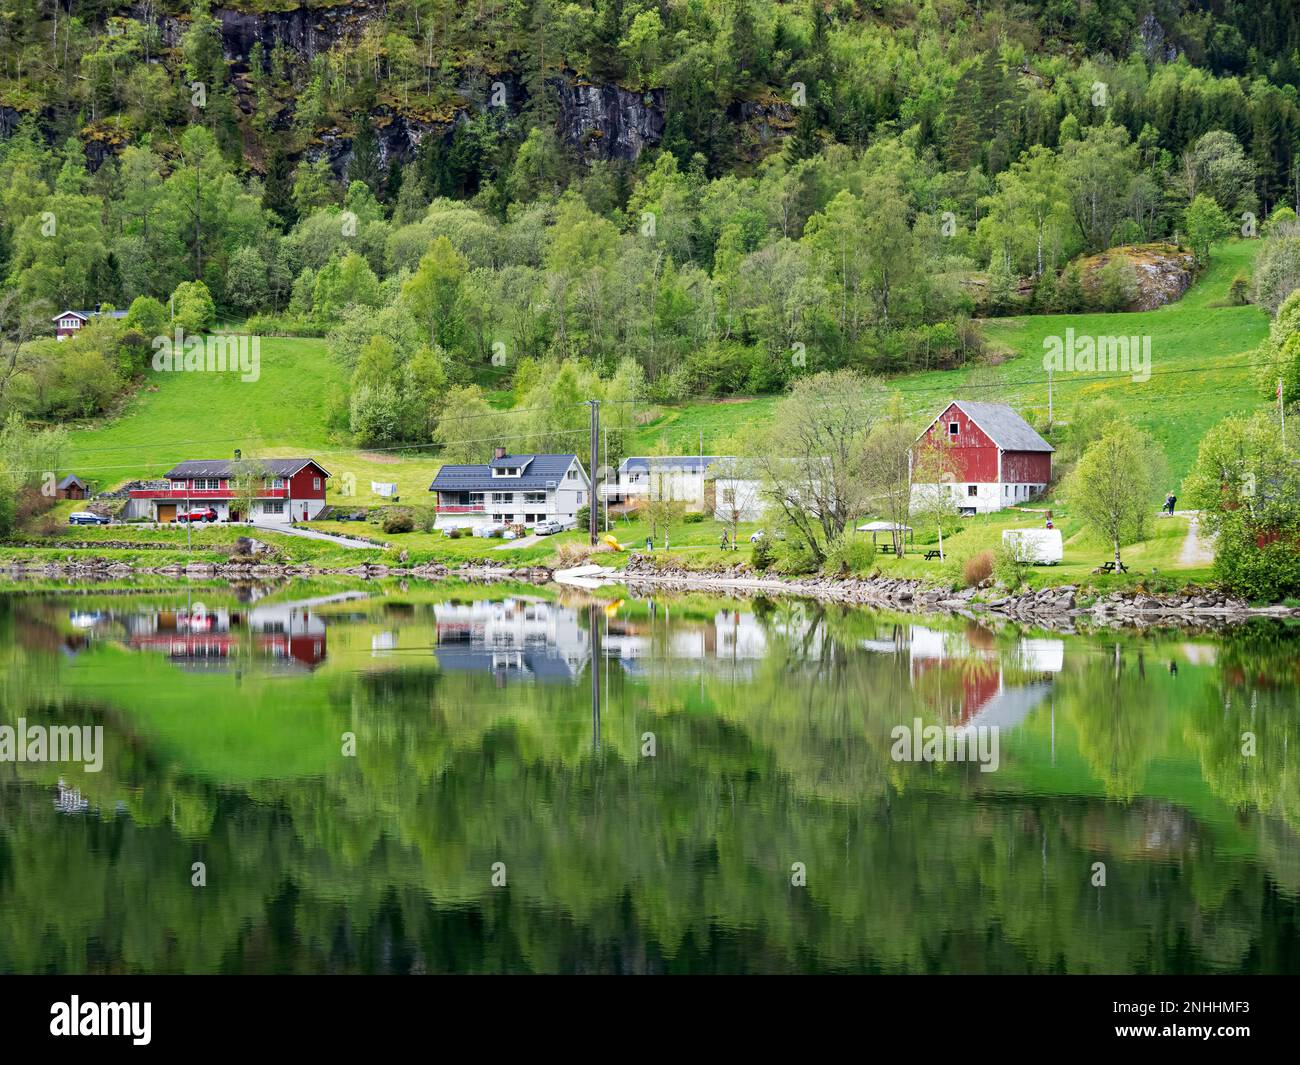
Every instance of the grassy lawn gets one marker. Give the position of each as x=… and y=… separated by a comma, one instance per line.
x=1156, y=557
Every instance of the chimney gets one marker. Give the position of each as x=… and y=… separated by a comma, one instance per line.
x=500, y=453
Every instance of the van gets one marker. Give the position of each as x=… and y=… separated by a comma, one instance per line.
x=1038, y=547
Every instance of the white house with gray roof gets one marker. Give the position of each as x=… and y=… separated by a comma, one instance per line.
x=511, y=490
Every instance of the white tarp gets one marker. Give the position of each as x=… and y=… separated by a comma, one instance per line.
x=382, y=488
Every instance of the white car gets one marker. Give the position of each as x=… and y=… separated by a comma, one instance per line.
x=547, y=528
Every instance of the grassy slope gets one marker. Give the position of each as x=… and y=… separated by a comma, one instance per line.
x=1201, y=371
x=180, y=416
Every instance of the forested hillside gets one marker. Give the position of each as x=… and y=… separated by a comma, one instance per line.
x=679, y=199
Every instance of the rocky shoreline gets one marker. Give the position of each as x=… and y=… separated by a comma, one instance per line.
x=1062, y=608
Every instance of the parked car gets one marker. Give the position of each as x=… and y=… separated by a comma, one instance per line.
x=86, y=517
x=547, y=528
x=198, y=514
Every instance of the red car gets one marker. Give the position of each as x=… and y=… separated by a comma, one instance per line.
x=198, y=514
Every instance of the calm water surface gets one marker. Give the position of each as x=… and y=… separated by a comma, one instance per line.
x=646, y=773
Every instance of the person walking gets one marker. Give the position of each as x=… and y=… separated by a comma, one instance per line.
x=1171, y=501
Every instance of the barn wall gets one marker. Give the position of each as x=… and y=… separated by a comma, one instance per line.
x=973, y=455
x=1027, y=467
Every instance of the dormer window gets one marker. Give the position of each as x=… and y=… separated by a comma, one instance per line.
x=505, y=471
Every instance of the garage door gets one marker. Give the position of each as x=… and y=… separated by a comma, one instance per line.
x=166, y=512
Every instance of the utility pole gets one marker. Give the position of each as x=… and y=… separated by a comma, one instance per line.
x=605, y=490
x=593, y=509
x=1049, y=397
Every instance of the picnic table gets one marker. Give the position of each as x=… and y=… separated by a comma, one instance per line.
x=1109, y=567
x=931, y=554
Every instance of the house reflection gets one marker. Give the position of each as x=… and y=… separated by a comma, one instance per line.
x=518, y=638
x=971, y=679
x=733, y=639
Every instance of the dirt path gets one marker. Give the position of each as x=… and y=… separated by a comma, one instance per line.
x=1197, y=551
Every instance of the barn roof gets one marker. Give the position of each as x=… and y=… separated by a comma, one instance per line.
x=70, y=480
x=1001, y=424
x=224, y=468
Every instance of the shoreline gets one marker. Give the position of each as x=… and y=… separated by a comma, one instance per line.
x=1061, y=607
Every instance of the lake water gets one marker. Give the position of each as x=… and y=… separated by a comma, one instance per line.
x=448, y=778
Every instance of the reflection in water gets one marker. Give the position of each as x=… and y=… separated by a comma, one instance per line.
x=508, y=727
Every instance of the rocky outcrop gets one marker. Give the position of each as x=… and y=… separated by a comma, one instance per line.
x=1164, y=272
x=608, y=121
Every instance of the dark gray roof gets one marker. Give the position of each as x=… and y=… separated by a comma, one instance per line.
x=72, y=478
x=538, y=471
x=222, y=468
x=643, y=463
x=1004, y=426
x=511, y=461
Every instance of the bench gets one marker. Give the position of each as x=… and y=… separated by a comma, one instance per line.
x=931, y=554
x=887, y=549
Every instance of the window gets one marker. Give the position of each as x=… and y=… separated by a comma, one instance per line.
x=273, y=506
x=572, y=475
x=499, y=518
x=534, y=497
x=476, y=499
x=506, y=471
x=207, y=484
x=275, y=482
x=972, y=489
x=179, y=485
x=503, y=497
x=953, y=428
x=315, y=484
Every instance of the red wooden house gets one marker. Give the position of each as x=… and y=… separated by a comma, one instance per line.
x=984, y=454
x=292, y=490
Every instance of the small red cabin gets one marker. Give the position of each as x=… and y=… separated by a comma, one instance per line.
x=986, y=455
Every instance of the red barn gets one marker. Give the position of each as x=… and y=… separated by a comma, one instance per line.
x=984, y=454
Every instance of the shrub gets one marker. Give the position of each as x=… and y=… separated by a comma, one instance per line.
x=455, y=533
x=1239, y=291
x=761, y=555
x=850, y=554
x=794, y=557
x=977, y=569
x=1010, y=566
x=693, y=517
x=583, y=518
x=1269, y=573
x=398, y=521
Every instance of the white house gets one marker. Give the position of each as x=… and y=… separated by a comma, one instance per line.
x=672, y=477
x=69, y=323
x=511, y=490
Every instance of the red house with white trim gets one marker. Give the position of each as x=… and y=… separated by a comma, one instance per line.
x=988, y=457
x=293, y=490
